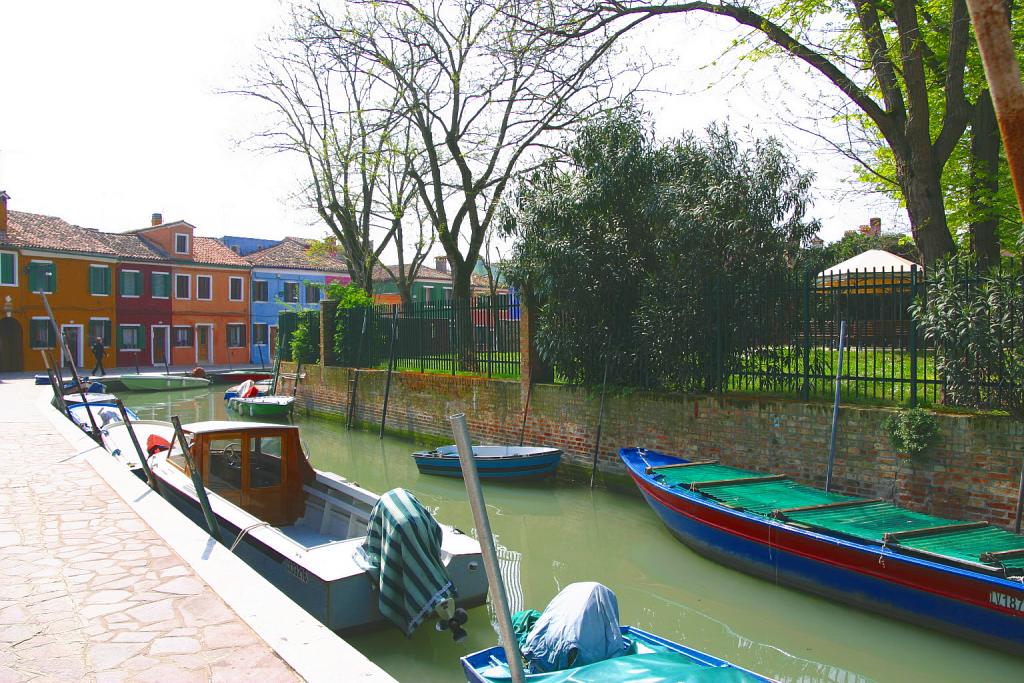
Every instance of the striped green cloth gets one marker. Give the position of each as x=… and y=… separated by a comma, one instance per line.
x=402, y=555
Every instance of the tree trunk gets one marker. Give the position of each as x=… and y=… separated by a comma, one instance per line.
x=984, y=183
x=462, y=318
x=405, y=293
x=920, y=182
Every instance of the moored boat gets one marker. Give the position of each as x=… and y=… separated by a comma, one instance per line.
x=262, y=406
x=300, y=528
x=493, y=462
x=244, y=389
x=158, y=381
x=965, y=578
x=103, y=412
x=578, y=638
x=239, y=376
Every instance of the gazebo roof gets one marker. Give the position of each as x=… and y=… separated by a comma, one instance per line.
x=872, y=260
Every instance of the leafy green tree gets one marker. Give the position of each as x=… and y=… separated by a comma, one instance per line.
x=908, y=80
x=353, y=301
x=305, y=341
x=626, y=246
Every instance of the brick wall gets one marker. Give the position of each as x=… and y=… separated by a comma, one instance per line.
x=972, y=473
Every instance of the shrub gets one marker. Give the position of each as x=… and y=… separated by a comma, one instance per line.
x=911, y=431
x=305, y=341
x=349, y=297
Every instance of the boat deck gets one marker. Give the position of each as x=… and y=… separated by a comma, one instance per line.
x=976, y=545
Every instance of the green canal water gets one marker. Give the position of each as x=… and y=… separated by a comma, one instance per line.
x=555, y=532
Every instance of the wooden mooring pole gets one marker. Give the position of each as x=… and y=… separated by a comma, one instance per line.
x=600, y=424
x=835, y=408
x=391, y=369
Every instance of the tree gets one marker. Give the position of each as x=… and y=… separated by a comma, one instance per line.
x=903, y=65
x=357, y=156
x=479, y=90
x=628, y=246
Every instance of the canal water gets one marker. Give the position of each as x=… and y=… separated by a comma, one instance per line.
x=555, y=532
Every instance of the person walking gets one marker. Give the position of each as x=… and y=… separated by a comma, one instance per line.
x=99, y=351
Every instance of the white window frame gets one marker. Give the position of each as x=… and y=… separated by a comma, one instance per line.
x=142, y=285
x=170, y=283
x=227, y=334
x=30, y=279
x=188, y=243
x=267, y=283
x=187, y=276
x=427, y=291
x=266, y=335
x=138, y=337
x=209, y=278
x=241, y=288
x=174, y=329
x=105, y=267
x=15, y=255
x=49, y=327
x=79, y=352
x=284, y=290
x=112, y=339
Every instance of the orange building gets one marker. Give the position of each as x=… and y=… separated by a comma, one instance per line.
x=209, y=296
x=74, y=267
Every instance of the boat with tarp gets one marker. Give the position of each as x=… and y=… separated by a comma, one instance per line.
x=313, y=534
x=965, y=578
x=577, y=639
x=493, y=462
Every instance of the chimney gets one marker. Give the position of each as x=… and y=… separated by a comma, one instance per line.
x=3, y=213
x=156, y=219
x=441, y=263
x=876, y=226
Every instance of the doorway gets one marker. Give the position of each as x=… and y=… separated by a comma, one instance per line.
x=73, y=336
x=10, y=346
x=204, y=343
x=160, y=343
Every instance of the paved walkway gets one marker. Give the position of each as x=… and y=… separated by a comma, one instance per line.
x=89, y=592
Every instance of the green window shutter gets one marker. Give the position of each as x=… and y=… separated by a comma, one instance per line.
x=105, y=276
x=94, y=280
x=34, y=277
x=7, y=269
x=122, y=277
x=160, y=284
x=52, y=279
x=138, y=283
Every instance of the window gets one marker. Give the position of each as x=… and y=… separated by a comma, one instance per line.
x=181, y=243
x=259, y=333
x=260, y=291
x=312, y=293
x=99, y=327
x=182, y=286
x=42, y=334
x=236, y=335
x=447, y=294
x=426, y=294
x=99, y=280
x=235, y=288
x=234, y=248
x=160, y=284
x=183, y=336
x=291, y=292
x=225, y=462
x=8, y=269
x=129, y=337
x=42, y=277
x=129, y=282
x=264, y=462
x=204, y=287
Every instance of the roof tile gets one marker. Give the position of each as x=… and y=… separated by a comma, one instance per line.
x=294, y=252
x=34, y=230
x=214, y=252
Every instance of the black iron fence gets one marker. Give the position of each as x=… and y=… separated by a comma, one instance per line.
x=481, y=338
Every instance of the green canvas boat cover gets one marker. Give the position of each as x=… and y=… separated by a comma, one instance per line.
x=661, y=667
x=865, y=520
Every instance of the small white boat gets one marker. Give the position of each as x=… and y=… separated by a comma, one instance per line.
x=301, y=528
x=159, y=381
x=262, y=406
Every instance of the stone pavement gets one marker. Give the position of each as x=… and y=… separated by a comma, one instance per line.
x=88, y=592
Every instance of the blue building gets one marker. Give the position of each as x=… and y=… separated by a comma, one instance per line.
x=285, y=276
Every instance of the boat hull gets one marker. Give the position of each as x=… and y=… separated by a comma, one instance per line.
x=967, y=604
x=162, y=382
x=239, y=376
x=543, y=463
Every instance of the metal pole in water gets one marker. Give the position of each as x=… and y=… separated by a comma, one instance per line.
x=600, y=423
x=835, y=408
x=490, y=554
x=197, y=481
x=150, y=479
x=526, y=411
x=391, y=368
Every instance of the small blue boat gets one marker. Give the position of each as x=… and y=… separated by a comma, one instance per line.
x=492, y=462
x=578, y=639
x=103, y=412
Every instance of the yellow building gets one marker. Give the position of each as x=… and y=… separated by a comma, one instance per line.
x=74, y=267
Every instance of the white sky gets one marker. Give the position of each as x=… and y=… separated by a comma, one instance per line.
x=109, y=112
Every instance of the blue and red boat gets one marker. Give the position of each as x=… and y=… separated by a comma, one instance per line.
x=492, y=462
x=964, y=578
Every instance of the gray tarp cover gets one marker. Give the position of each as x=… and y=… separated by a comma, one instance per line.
x=579, y=626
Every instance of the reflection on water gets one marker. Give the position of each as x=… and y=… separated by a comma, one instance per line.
x=554, y=532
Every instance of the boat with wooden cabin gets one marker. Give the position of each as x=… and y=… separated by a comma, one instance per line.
x=159, y=381
x=300, y=528
x=964, y=578
x=493, y=462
